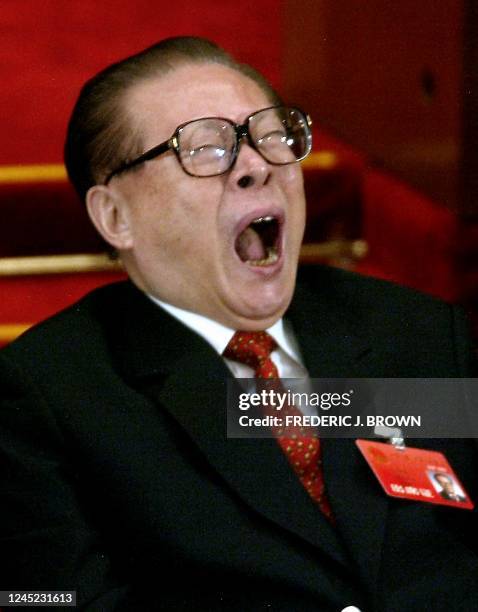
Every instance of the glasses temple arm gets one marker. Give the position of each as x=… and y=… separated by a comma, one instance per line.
x=151, y=154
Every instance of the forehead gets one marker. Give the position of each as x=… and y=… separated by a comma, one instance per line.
x=158, y=105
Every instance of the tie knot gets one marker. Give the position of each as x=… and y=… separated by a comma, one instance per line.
x=253, y=349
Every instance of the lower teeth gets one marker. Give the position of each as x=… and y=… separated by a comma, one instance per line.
x=272, y=257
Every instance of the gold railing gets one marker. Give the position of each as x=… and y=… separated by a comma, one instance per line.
x=32, y=173
x=56, y=172
x=101, y=262
x=57, y=264
x=10, y=331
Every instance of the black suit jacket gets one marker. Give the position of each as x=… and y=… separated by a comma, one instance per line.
x=117, y=479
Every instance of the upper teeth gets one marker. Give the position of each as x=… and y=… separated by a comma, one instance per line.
x=262, y=219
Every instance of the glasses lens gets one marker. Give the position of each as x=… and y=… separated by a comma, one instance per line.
x=206, y=146
x=281, y=134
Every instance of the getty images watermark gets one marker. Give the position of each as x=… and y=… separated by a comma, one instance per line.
x=351, y=408
x=286, y=410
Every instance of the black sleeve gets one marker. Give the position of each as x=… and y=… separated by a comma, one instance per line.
x=46, y=541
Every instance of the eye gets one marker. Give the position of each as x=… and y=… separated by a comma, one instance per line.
x=273, y=138
x=207, y=159
x=206, y=140
x=208, y=151
x=206, y=146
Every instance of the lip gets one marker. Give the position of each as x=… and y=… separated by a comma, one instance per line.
x=244, y=222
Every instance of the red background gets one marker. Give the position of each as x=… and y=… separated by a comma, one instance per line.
x=50, y=47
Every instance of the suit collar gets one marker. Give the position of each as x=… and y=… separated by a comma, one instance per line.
x=331, y=345
x=146, y=340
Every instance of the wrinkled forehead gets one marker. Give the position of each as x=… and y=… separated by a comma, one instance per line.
x=157, y=105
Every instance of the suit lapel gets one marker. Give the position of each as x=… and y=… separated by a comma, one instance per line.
x=255, y=469
x=184, y=376
x=330, y=345
x=333, y=348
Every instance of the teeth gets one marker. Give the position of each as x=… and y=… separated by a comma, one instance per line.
x=262, y=220
x=272, y=257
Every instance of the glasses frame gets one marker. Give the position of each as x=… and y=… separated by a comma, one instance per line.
x=241, y=131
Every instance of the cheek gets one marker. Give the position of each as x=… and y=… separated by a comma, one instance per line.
x=293, y=187
x=178, y=223
x=292, y=180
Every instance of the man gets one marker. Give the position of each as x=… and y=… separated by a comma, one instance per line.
x=447, y=491
x=117, y=478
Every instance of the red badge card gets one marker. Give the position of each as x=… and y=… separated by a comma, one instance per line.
x=414, y=473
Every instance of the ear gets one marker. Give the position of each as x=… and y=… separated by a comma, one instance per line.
x=108, y=212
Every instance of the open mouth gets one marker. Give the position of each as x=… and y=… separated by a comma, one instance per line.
x=258, y=243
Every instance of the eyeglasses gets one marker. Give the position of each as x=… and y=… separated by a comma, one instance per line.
x=210, y=146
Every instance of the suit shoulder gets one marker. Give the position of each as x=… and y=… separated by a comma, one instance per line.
x=376, y=295
x=77, y=328
x=400, y=320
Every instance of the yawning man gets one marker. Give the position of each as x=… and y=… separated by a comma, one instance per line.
x=116, y=477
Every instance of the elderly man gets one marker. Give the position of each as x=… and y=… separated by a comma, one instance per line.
x=117, y=479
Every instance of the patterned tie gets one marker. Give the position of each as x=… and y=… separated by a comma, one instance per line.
x=303, y=452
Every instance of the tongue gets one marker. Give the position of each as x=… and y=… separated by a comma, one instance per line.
x=249, y=246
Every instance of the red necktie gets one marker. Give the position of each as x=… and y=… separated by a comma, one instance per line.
x=302, y=451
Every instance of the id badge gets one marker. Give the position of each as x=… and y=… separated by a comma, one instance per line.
x=415, y=473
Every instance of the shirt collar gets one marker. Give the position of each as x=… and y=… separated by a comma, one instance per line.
x=218, y=335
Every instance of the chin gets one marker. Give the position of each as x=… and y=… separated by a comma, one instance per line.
x=258, y=312
x=256, y=297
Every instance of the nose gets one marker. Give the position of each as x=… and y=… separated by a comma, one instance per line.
x=250, y=169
